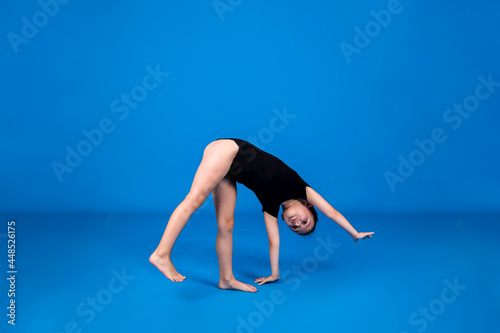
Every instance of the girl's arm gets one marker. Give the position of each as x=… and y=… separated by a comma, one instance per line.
x=317, y=201
x=274, y=248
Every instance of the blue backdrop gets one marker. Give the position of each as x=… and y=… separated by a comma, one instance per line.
x=382, y=106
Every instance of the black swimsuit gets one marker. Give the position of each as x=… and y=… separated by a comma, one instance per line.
x=272, y=181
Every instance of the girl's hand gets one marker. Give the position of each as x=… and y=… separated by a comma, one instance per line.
x=362, y=235
x=268, y=279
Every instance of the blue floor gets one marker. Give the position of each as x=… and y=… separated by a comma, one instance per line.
x=418, y=274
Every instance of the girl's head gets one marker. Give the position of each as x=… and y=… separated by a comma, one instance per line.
x=300, y=216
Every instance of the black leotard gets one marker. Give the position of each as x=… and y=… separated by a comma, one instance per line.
x=272, y=181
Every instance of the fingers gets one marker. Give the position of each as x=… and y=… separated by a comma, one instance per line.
x=262, y=280
x=363, y=235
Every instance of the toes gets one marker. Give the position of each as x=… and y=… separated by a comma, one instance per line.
x=250, y=288
x=179, y=278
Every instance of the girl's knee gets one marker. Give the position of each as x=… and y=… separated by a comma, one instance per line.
x=195, y=200
x=225, y=227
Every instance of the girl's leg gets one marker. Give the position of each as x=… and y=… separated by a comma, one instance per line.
x=216, y=162
x=224, y=196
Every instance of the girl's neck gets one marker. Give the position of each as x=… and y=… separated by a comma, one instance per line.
x=287, y=203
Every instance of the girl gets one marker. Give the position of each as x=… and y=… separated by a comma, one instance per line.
x=225, y=162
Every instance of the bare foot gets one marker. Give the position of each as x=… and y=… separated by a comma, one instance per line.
x=166, y=267
x=236, y=285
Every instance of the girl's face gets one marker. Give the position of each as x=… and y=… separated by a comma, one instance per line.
x=298, y=217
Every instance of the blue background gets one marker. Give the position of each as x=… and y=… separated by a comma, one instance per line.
x=226, y=75
x=351, y=119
